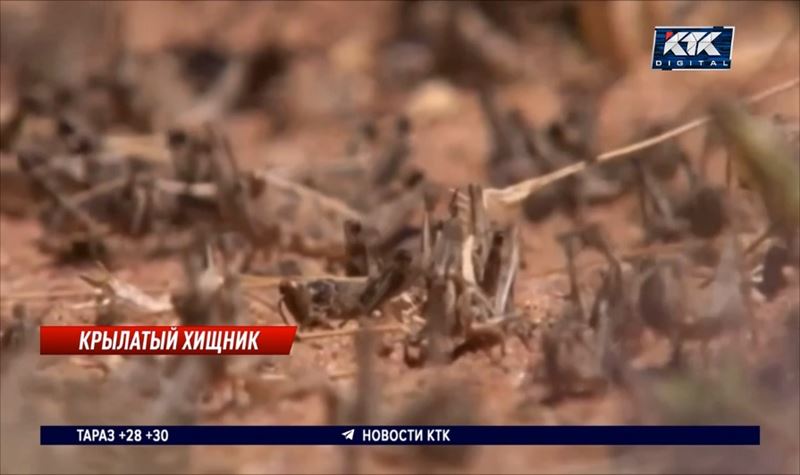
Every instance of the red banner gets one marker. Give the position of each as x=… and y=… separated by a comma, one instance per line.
x=164, y=340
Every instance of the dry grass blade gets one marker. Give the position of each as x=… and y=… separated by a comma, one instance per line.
x=497, y=199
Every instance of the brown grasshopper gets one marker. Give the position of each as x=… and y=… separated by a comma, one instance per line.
x=614, y=301
x=18, y=333
x=518, y=151
x=272, y=210
x=266, y=208
x=702, y=213
x=374, y=171
x=681, y=312
x=210, y=296
x=704, y=207
x=511, y=158
x=468, y=285
x=562, y=143
x=361, y=258
x=659, y=218
x=575, y=350
x=98, y=187
x=318, y=302
x=443, y=28
x=574, y=357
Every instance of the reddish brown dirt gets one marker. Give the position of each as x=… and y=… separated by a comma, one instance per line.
x=451, y=150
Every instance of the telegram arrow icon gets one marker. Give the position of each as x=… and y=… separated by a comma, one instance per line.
x=349, y=434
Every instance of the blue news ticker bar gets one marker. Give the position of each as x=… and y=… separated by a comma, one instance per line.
x=402, y=435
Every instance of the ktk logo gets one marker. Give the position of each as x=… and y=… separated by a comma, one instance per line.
x=696, y=43
x=692, y=48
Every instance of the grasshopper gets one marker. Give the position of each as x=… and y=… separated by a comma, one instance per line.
x=469, y=280
x=575, y=352
x=512, y=158
x=614, y=302
x=573, y=358
x=318, y=302
x=361, y=258
x=269, y=209
x=372, y=167
x=18, y=333
x=675, y=309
